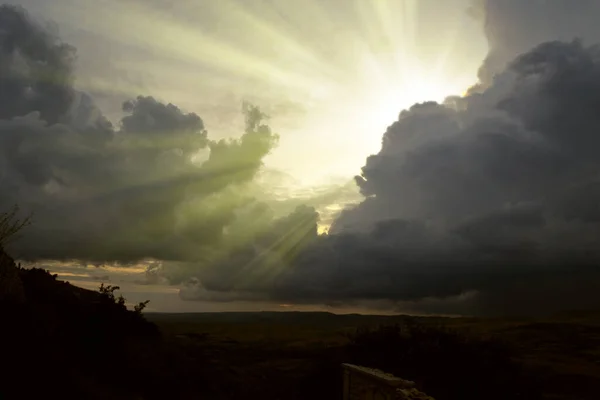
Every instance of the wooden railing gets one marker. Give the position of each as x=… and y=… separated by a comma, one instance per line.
x=362, y=383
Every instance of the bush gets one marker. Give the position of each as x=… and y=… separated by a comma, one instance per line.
x=10, y=225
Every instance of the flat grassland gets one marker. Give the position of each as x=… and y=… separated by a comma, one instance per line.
x=289, y=355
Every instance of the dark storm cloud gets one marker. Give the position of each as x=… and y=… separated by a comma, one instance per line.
x=513, y=27
x=100, y=192
x=491, y=199
x=35, y=68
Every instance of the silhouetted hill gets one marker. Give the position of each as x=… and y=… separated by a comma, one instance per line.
x=52, y=332
x=293, y=317
x=11, y=287
x=319, y=318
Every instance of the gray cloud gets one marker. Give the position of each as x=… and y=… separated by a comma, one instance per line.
x=512, y=27
x=35, y=68
x=154, y=186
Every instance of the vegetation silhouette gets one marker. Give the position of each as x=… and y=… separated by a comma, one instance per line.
x=11, y=225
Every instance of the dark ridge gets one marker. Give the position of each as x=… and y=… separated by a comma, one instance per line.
x=69, y=342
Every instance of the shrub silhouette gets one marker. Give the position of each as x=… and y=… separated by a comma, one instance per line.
x=139, y=307
x=10, y=225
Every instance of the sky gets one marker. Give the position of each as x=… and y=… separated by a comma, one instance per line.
x=389, y=156
x=332, y=74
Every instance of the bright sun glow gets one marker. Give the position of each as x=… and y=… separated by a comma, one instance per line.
x=387, y=102
x=337, y=73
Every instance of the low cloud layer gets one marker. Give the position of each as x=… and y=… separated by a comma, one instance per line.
x=488, y=203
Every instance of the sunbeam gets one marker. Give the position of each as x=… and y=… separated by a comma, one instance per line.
x=347, y=67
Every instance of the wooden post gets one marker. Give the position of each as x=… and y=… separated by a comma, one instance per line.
x=346, y=384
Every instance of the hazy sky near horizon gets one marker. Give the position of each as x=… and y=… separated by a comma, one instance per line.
x=122, y=130
x=332, y=74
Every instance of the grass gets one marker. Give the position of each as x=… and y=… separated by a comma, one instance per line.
x=272, y=352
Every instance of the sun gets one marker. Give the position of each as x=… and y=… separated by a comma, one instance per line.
x=386, y=102
x=366, y=111
x=340, y=76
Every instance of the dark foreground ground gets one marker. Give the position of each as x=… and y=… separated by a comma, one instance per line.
x=292, y=355
x=60, y=341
